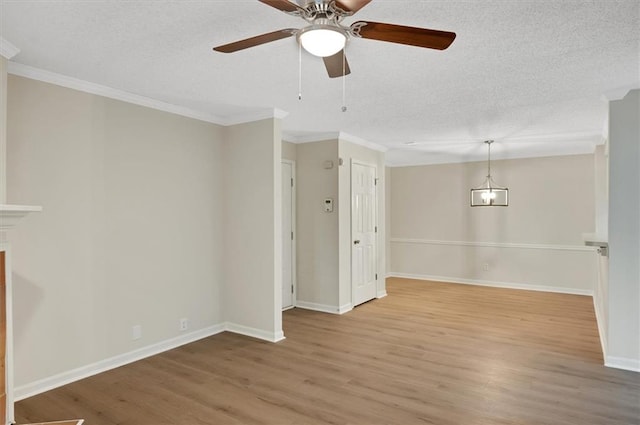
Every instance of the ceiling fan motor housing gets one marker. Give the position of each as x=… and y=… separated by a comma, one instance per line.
x=311, y=11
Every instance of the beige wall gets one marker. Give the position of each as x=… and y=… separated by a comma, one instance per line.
x=252, y=222
x=3, y=129
x=289, y=151
x=317, y=241
x=551, y=201
x=131, y=232
x=601, y=186
x=324, y=239
x=387, y=219
x=436, y=234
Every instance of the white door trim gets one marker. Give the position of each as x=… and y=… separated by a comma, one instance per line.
x=294, y=273
x=377, y=224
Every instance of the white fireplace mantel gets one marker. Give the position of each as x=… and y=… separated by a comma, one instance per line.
x=10, y=215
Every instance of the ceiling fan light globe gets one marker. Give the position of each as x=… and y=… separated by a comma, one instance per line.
x=323, y=41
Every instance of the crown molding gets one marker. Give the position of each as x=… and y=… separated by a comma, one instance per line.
x=258, y=115
x=359, y=141
x=332, y=135
x=520, y=147
x=7, y=49
x=100, y=90
x=392, y=159
x=279, y=114
x=309, y=138
x=38, y=74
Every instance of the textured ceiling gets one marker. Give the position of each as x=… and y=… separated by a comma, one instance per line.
x=529, y=74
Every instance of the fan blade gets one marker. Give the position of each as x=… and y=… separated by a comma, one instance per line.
x=334, y=65
x=352, y=6
x=255, y=41
x=284, y=5
x=420, y=37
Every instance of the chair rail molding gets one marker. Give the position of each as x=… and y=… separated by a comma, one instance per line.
x=494, y=244
x=567, y=268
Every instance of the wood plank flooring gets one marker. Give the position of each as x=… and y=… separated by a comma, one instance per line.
x=428, y=353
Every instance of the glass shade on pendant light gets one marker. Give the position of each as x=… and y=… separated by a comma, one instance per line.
x=492, y=196
x=322, y=40
x=489, y=194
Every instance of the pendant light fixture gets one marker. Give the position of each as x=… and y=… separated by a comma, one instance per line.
x=489, y=194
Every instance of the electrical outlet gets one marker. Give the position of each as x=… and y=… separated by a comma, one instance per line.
x=485, y=267
x=184, y=324
x=136, y=332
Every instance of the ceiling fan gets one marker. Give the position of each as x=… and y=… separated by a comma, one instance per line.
x=326, y=37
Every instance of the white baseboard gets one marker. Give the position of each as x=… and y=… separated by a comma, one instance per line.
x=527, y=287
x=254, y=332
x=345, y=308
x=64, y=378
x=318, y=307
x=623, y=363
x=381, y=294
x=77, y=374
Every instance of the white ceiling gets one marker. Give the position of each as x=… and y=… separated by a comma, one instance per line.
x=530, y=74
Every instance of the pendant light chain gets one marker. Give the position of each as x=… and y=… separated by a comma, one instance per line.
x=489, y=161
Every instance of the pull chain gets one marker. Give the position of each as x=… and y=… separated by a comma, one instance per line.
x=299, y=71
x=344, y=82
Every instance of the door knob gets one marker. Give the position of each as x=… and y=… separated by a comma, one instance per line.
x=356, y=242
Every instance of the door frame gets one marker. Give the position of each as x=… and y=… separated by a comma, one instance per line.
x=377, y=224
x=294, y=272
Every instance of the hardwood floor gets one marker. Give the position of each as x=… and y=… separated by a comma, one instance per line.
x=429, y=353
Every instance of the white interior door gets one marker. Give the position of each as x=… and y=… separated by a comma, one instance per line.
x=288, y=252
x=364, y=256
